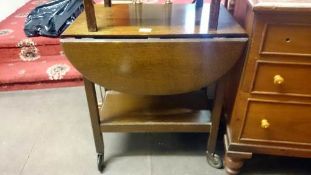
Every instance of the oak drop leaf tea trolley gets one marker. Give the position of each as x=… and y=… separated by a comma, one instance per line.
x=154, y=59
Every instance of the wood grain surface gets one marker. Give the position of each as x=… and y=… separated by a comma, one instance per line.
x=154, y=20
x=276, y=6
x=279, y=47
x=139, y=113
x=296, y=81
x=154, y=67
x=289, y=123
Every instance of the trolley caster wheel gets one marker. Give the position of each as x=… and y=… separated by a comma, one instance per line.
x=214, y=160
x=100, y=162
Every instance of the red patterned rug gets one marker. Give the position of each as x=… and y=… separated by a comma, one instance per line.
x=31, y=63
x=37, y=62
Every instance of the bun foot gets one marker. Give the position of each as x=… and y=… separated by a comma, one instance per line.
x=233, y=165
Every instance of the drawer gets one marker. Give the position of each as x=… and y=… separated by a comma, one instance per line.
x=282, y=78
x=280, y=122
x=286, y=39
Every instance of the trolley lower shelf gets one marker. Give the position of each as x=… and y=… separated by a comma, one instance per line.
x=175, y=113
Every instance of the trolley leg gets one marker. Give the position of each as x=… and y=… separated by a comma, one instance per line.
x=213, y=159
x=95, y=121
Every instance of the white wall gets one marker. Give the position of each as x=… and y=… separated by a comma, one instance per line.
x=7, y=7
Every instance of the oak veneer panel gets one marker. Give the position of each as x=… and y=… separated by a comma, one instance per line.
x=138, y=113
x=154, y=20
x=289, y=122
x=154, y=66
x=287, y=39
x=276, y=6
x=296, y=79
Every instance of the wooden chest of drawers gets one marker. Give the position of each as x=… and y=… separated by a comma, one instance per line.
x=272, y=109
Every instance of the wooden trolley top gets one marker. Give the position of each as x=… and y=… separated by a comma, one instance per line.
x=153, y=21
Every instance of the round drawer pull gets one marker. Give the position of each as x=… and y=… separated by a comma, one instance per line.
x=264, y=123
x=278, y=80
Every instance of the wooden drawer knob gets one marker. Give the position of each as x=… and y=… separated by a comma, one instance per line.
x=264, y=123
x=278, y=80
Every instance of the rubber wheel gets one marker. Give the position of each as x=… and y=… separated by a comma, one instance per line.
x=214, y=160
x=100, y=162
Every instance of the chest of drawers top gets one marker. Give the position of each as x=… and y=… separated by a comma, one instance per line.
x=281, y=5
